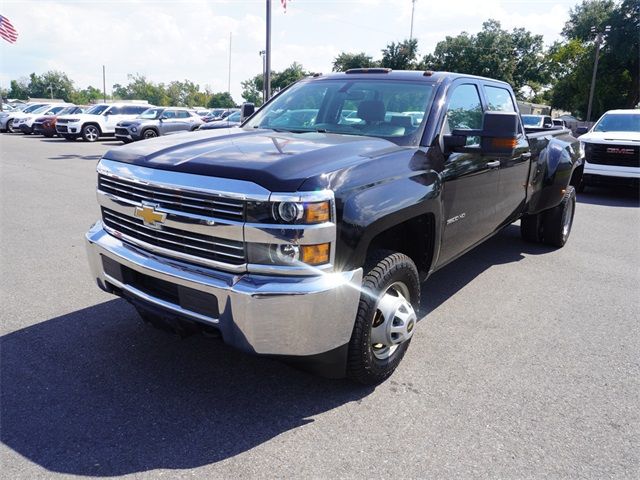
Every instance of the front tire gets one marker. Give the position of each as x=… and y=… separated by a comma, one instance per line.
x=149, y=133
x=10, y=127
x=90, y=133
x=386, y=317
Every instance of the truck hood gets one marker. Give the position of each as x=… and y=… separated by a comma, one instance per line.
x=624, y=138
x=280, y=162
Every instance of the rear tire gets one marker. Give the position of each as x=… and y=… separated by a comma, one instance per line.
x=558, y=221
x=531, y=228
x=90, y=133
x=386, y=317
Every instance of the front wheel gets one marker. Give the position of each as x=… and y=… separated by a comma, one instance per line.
x=10, y=127
x=149, y=133
x=386, y=318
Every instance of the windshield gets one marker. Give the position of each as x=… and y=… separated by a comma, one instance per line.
x=376, y=108
x=67, y=111
x=33, y=108
x=618, y=122
x=97, y=109
x=44, y=108
x=234, y=117
x=151, y=113
x=532, y=120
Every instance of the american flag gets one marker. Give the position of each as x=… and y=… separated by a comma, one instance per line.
x=7, y=31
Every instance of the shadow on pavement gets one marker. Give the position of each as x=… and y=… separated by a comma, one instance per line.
x=610, y=196
x=98, y=393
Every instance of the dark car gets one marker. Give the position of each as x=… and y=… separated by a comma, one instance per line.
x=47, y=125
x=232, y=120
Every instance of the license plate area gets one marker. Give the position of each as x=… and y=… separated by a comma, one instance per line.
x=187, y=298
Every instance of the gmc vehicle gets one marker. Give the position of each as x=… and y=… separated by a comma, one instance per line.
x=611, y=150
x=308, y=241
x=157, y=121
x=98, y=121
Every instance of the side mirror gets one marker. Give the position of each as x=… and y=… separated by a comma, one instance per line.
x=107, y=113
x=582, y=130
x=246, y=111
x=498, y=136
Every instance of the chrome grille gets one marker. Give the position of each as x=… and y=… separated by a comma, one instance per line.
x=183, y=201
x=185, y=242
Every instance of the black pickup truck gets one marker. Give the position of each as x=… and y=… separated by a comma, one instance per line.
x=304, y=234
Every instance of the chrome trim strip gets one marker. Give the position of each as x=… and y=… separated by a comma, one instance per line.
x=317, y=196
x=286, y=270
x=221, y=228
x=298, y=234
x=127, y=220
x=182, y=182
x=174, y=254
x=159, y=302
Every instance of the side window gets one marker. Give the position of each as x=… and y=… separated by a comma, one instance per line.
x=464, y=111
x=115, y=111
x=169, y=114
x=499, y=99
x=139, y=110
x=183, y=114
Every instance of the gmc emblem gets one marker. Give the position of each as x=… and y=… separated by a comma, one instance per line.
x=621, y=151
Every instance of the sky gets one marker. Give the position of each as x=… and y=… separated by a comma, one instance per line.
x=190, y=39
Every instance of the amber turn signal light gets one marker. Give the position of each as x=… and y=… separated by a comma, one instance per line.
x=317, y=212
x=315, y=254
x=504, y=143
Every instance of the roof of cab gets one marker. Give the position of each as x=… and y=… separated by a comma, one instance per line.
x=416, y=75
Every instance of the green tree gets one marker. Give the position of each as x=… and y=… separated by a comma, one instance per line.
x=401, y=56
x=517, y=57
x=252, y=88
x=139, y=88
x=345, y=61
x=618, y=76
x=221, y=100
x=19, y=89
x=86, y=95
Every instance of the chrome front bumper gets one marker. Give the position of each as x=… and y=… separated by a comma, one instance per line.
x=271, y=315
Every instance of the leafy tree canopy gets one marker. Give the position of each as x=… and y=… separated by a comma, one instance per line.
x=345, y=61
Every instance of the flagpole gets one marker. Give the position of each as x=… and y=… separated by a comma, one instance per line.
x=267, y=55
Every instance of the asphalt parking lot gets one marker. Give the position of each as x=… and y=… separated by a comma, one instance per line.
x=526, y=364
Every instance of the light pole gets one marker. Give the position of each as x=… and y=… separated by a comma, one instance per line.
x=413, y=7
x=51, y=90
x=267, y=56
x=599, y=38
x=262, y=53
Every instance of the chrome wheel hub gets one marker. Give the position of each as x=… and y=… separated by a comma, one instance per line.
x=394, y=321
x=92, y=133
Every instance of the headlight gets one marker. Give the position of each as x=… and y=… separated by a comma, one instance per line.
x=581, y=149
x=289, y=212
x=73, y=120
x=289, y=254
x=134, y=129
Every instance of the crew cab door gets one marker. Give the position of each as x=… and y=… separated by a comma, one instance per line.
x=470, y=180
x=514, y=170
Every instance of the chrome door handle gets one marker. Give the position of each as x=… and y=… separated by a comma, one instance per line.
x=495, y=164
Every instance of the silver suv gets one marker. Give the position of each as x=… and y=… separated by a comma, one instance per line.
x=157, y=121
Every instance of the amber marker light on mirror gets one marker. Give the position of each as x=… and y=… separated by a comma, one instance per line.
x=506, y=143
x=315, y=254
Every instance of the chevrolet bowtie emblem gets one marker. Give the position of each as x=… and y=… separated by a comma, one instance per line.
x=149, y=215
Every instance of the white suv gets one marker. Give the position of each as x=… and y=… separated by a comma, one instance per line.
x=611, y=149
x=100, y=120
x=7, y=118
